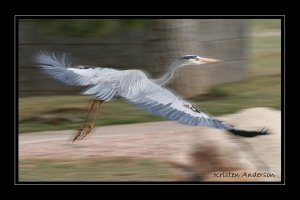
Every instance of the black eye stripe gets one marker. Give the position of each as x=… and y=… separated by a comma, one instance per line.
x=188, y=57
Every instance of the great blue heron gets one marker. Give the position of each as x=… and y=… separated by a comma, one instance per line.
x=137, y=88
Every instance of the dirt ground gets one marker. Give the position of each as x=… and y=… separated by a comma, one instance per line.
x=174, y=143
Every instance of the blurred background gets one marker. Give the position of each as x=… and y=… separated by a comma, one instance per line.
x=249, y=76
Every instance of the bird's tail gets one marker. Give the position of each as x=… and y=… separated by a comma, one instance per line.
x=248, y=133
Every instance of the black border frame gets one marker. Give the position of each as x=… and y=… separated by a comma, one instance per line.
x=16, y=94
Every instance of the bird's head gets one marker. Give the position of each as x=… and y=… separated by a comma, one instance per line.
x=191, y=60
x=195, y=60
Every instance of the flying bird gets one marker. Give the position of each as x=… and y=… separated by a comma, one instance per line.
x=135, y=86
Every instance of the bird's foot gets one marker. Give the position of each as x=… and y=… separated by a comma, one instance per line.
x=83, y=131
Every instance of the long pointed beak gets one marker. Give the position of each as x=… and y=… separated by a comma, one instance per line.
x=209, y=60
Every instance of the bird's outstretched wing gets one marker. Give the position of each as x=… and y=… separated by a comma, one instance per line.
x=158, y=100
x=102, y=82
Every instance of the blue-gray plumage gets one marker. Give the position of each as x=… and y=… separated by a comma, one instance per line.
x=136, y=87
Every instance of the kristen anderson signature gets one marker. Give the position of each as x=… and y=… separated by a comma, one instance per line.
x=243, y=174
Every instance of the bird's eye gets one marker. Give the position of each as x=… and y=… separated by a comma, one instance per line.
x=197, y=59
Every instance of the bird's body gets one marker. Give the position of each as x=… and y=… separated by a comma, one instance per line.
x=134, y=85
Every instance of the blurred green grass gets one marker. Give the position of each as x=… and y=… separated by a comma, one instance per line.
x=262, y=89
x=117, y=169
x=68, y=112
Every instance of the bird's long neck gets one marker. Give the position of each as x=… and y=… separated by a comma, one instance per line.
x=165, y=78
x=168, y=76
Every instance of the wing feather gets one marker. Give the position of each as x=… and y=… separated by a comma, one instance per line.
x=160, y=101
x=102, y=81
